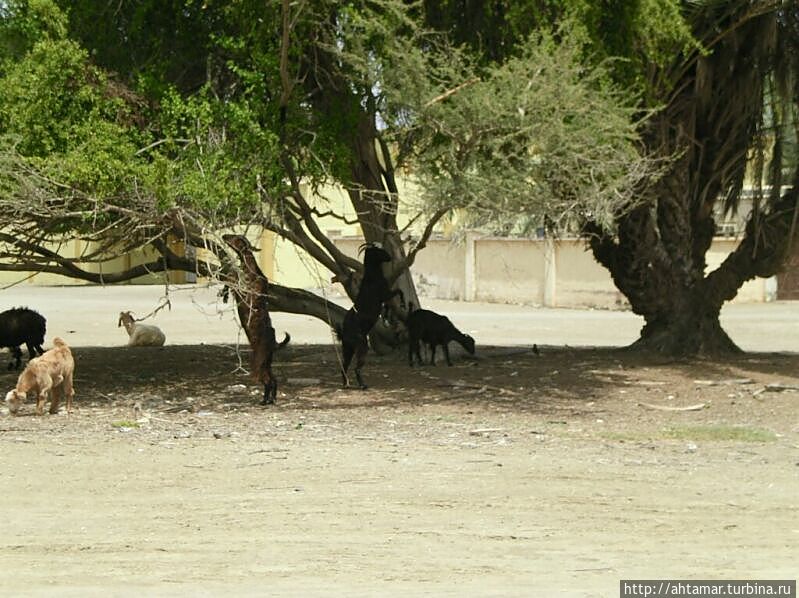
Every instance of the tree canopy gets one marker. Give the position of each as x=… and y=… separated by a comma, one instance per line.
x=131, y=123
x=120, y=133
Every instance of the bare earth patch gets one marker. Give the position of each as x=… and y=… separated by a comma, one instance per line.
x=511, y=475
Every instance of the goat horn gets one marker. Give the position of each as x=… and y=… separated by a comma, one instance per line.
x=369, y=244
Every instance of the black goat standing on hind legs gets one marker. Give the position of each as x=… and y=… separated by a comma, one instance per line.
x=253, y=310
x=372, y=295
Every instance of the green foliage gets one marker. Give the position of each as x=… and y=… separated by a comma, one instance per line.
x=51, y=96
x=74, y=126
x=66, y=118
x=637, y=34
x=154, y=43
x=24, y=22
x=222, y=59
x=201, y=116
x=217, y=156
x=103, y=162
x=536, y=136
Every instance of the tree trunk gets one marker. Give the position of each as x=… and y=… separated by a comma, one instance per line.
x=665, y=283
x=373, y=190
x=375, y=199
x=712, y=118
x=691, y=328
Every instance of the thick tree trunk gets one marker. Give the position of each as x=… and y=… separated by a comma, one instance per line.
x=710, y=122
x=665, y=282
x=373, y=190
x=375, y=198
x=691, y=328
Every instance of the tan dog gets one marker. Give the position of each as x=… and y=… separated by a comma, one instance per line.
x=49, y=373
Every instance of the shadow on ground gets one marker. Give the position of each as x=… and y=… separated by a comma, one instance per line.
x=566, y=381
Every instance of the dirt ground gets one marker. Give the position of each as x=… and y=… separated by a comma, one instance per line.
x=513, y=474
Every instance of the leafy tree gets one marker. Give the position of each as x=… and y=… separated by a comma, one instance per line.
x=719, y=80
x=23, y=22
x=215, y=112
x=717, y=98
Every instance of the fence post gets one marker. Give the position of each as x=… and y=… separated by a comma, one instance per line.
x=550, y=272
x=469, y=275
x=266, y=257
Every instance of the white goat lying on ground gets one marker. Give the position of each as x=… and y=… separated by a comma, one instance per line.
x=141, y=335
x=49, y=374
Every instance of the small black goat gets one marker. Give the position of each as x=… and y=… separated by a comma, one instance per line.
x=434, y=329
x=373, y=293
x=22, y=325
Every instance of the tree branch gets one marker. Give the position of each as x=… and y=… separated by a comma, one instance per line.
x=761, y=252
x=407, y=262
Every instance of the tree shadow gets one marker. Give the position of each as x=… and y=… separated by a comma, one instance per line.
x=557, y=382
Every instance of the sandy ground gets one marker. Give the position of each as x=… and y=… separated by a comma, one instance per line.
x=512, y=474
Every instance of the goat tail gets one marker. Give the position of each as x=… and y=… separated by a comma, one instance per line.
x=59, y=342
x=284, y=342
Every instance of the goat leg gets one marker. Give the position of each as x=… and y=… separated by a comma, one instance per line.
x=360, y=360
x=446, y=353
x=16, y=352
x=348, y=351
x=270, y=392
x=55, y=399
x=40, y=400
x=413, y=348
x=32, y=352
x=361, y=383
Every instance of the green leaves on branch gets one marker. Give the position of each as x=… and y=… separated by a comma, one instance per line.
x=540, y=135
x=69, y=121
x=23, y=23
x=216, y=155
x=75, y=126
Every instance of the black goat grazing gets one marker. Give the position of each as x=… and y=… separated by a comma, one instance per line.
x=373, y=293
x=253, y=310
x=433, y=329
x=22, y=325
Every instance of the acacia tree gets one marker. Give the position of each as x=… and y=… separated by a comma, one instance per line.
x=217, y=120
x=213, y=126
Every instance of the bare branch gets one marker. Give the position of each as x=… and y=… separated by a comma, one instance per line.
x=406, y=263
x=451, y=92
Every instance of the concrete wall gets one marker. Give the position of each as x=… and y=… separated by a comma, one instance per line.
x=508, y=271
x=75, y=248
x=538, y=272
x=580, y=281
